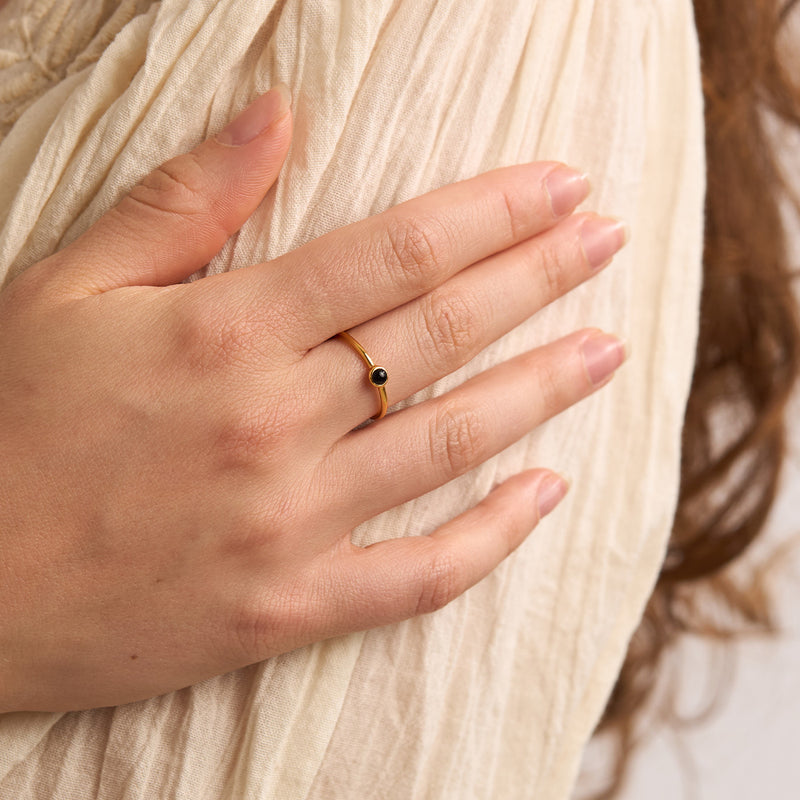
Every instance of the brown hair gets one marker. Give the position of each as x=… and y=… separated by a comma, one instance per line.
x=748, y=356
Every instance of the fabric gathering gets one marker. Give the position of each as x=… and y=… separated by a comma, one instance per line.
x=496, y=695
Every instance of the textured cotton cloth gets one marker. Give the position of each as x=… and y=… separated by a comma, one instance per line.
x=494, y=696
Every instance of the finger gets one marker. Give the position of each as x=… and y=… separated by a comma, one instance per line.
x=402, y=578
x=362, y=270
x=413, y=451
x=180, y=215
x=435, y=334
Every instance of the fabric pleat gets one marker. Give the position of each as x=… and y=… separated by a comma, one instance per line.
x=496, y=695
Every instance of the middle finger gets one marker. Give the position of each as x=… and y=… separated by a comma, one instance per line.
x=434, y=335
x=362, y=270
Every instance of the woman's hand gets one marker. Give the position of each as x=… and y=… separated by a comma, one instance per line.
x=179, y=468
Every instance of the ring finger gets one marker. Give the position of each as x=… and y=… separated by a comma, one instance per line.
x=425, y=446
x=432, y=336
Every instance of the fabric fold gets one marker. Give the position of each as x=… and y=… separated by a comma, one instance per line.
x=495, y=695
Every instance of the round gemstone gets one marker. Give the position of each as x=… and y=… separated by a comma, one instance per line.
x=378, y=376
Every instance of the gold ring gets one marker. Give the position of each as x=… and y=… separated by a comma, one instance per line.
x=377, y=376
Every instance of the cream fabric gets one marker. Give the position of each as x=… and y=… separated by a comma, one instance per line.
x=494, y=696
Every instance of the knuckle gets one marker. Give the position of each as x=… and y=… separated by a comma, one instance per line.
x=265, y=525
x=260, y=622
x=279, y=613
x=251, y=629
x=552, y=265
x=458, y=438
x=178, y=186
x=517, y=215
x=550, y=386
x=243, y=440
x=208, y=341
x=439, y=583
x=415, y=249
x=252, y=434
x=452, y=324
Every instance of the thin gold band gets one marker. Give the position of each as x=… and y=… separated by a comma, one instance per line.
x=377, y=376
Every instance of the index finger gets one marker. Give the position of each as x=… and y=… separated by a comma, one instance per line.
x=364, y=269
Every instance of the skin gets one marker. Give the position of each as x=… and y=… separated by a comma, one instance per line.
x=178, y=495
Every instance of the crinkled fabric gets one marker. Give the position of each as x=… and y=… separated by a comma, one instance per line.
x=495, y=695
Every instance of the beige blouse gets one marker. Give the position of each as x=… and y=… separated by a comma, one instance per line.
x=494, y=696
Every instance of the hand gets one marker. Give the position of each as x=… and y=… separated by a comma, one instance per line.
x=179, y=467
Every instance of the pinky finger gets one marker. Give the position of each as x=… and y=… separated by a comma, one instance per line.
x=401, y=578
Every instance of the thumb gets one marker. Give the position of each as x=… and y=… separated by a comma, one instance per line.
x=180, y=215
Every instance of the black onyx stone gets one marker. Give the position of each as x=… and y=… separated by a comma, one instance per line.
x=378, y=376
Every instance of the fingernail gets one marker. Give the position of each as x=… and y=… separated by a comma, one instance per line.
x=551, y=492
x=602, y=355
x=566, y=188
x=601, y=238
x=257, y=117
